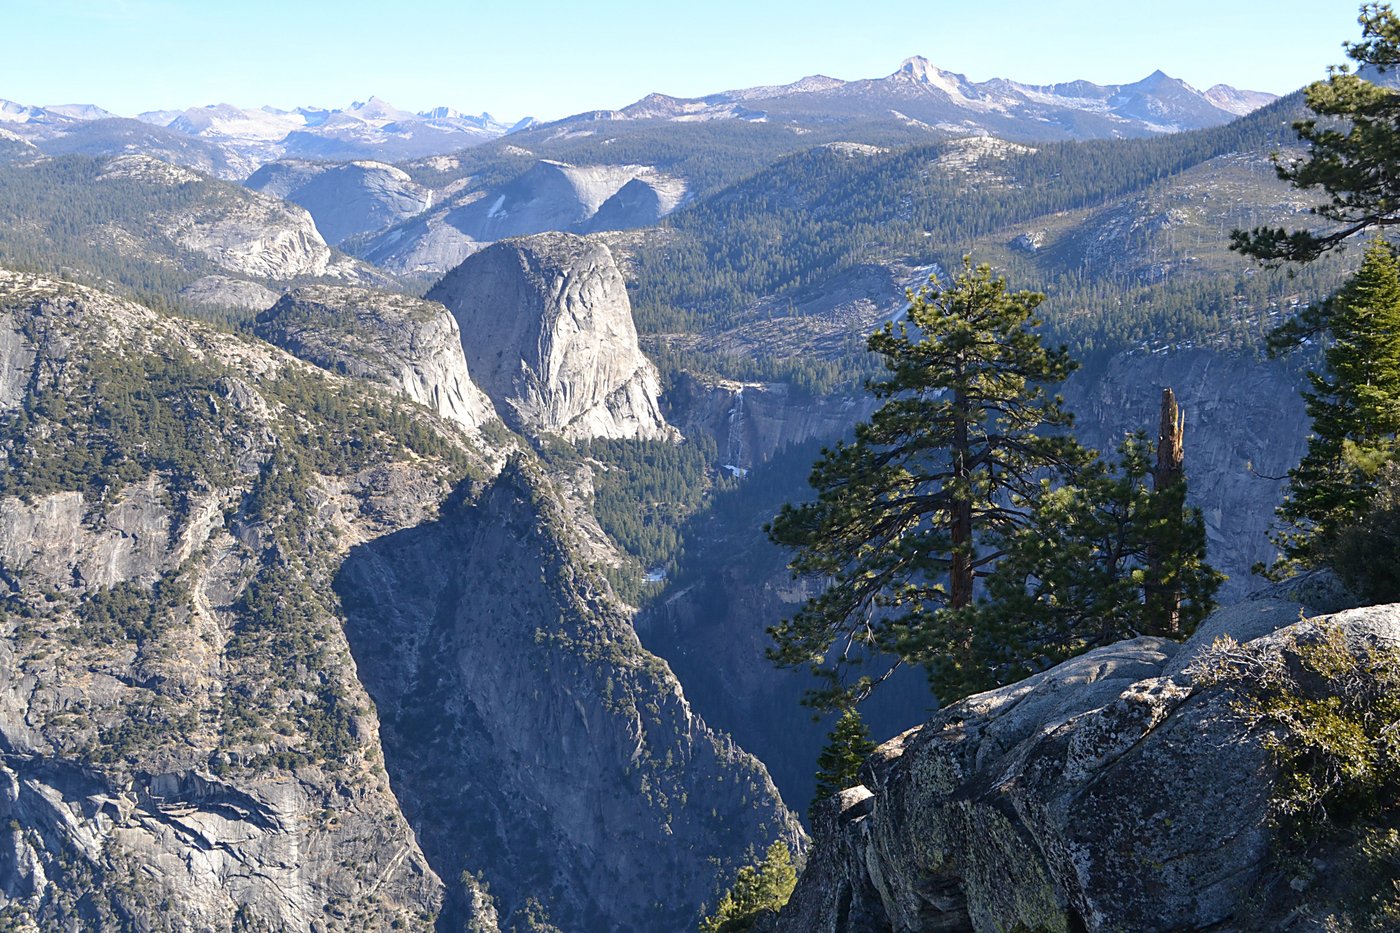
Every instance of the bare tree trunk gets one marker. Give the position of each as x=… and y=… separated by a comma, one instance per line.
x=1170, y=455
x=1163, y=598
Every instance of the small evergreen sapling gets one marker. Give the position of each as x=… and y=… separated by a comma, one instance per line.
x=839, y=762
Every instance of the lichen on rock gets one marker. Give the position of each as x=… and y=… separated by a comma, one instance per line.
x=1123, y=789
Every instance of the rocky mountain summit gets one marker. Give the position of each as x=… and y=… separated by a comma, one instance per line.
x=1123, y=789
x=548, y=333
x=414, y=346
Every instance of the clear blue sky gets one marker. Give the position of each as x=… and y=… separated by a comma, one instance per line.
x=549, y=58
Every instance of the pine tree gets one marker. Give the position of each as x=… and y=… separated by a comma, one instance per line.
x=1354, y=404
x=965, y=530
x=839, y=762
x=758, y=890
x=1105, y=557
x=1352, y=151
x=906, y=514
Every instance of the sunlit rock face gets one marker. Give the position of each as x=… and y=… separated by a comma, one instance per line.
x=548, y=334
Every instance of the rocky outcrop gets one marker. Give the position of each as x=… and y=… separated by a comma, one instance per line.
x=220, y=291
x=258, y=236
x=640, y=203
x=548, y=196
x=548, y=334
x=1119, y=790
x=345, y=200
x=423, y=247
x=526, y=730
x=412, y=345
x=240, y=231
x=169, y=752
x=16, y=363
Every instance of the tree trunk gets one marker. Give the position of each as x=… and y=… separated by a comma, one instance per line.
x=960, y=523
x=1170, y=455
x=1162, y=591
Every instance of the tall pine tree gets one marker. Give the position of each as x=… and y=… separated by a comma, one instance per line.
x=965, y=530
x=906, y=516
x=1354, y=403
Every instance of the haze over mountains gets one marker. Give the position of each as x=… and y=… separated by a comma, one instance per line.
x=233, y=141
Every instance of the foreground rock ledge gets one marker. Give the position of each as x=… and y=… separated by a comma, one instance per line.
x=1108, y=793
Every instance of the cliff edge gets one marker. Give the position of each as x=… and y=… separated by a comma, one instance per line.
x=1123, y=789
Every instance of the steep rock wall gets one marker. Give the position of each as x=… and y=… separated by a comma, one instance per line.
x=169, y=753
x=528, y=731
x=548, y=333
x=753, y=421
x=1245, y=428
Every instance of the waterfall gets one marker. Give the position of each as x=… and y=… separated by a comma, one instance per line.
x=734, y=444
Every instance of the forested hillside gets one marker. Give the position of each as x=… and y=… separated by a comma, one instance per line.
x=150, y=230
x=1098, y=225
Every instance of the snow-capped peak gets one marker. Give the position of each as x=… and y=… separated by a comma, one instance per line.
x=79, y=111
x=377, y=111
x=1237, y=101
x=919, y=68
x=921, y=71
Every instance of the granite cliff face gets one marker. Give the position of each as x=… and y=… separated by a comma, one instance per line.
x=527, y=730
x=548, y=334
x=250, y=234
x=265, y=238
x=226, y=292
x=547, y=196
x=345, y=200
x=412, y=345
x=183, y=739
x=1245, y=428
x=1119, y=790
x=753, y=421
x=223, y=568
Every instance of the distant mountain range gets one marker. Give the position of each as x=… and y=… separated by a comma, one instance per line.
x=922, y=94
x=250, y=137
x=918, y=99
